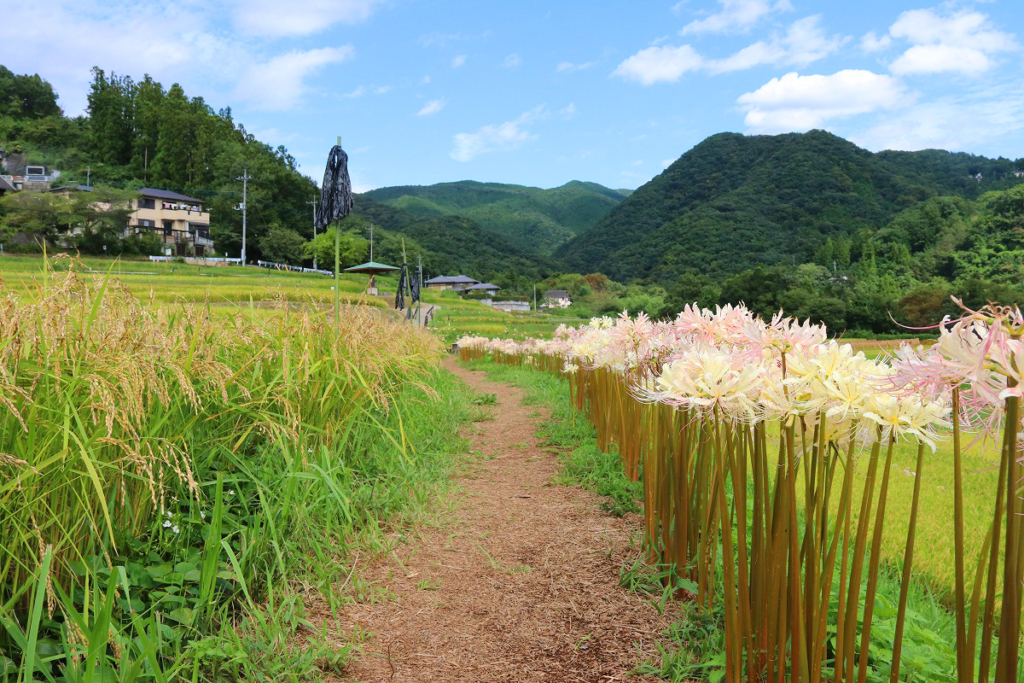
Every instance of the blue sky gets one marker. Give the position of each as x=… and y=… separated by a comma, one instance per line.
x=540, y=93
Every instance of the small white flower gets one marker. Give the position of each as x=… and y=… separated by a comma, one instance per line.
x=167, y=524
x=175, y=529
x=231, y=492
x=168, y=513
x=202, y=514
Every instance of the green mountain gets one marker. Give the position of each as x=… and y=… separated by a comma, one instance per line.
x=449, y=245
x=529, y=217
x=734, y=202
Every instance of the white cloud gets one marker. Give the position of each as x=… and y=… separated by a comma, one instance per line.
x=358, y=92
x=569, y=67
x=500, y=137
x=431, y=107
x=963, y=42
x=425, y=80
x=932, y=59
x=637, y=162
x=870, y=42
x=803, y=43
x=667, y=162
x=568, y=111
x=797, y=103
x=298, y=17
x=62, y=39
x=986, y=119
x=512, y=61
x=736, y=16
x=659, y=64
x=458, y=61
x=279, y=83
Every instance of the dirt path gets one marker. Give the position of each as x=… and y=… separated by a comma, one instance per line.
x=518, y=583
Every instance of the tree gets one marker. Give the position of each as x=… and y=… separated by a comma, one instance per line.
x=175, y=140
x=354, y=249
x=149, y=101
x=26, y=97
x=282, y=245
x=111, y=116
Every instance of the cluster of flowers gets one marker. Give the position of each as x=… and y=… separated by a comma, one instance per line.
x=738, y=366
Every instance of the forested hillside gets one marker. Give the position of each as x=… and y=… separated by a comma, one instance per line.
x=734, y=202
x=139, y=133
x=449, y=245
x=536, y=219
x=813, y=224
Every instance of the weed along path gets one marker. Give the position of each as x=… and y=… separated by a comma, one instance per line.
x=518, y=582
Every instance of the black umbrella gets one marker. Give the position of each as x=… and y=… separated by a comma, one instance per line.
x=335, y=204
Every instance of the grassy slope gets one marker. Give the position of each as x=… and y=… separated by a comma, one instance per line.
x=528, y=217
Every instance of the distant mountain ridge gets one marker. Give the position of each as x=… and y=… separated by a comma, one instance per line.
x=735, y=201
x=529, y=217
x=451, y=245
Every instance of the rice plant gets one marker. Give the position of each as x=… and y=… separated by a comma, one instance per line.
x=166, y=467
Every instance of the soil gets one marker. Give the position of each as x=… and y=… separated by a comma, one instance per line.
x=519, y=580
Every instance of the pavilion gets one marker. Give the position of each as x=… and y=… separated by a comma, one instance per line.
x=373, y=269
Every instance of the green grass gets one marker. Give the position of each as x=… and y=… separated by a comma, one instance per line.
x=460, y=317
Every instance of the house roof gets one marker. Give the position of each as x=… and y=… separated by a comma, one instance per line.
x=557, y=294
x=79, y=188
x=486, y=286
x=167, y=194
x=452, y=280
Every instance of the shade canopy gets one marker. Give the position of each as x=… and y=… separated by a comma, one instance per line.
x=371, y=268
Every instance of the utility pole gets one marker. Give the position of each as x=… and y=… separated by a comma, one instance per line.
x=245, y=187
x=535, y=297
x=88, y=176
x=314, y=228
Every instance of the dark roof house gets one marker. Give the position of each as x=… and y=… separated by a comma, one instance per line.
x=556, y=294
x=71, y=188
x=167, y=194
x=450, y=280
x=483, y=287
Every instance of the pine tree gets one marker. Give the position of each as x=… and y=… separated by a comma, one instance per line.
x=149, y=101
x=826, y=254
x=111, y=116
x=842, y=251
x=176, y=140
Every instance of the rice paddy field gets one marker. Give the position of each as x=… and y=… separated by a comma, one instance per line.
x=188, y=453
